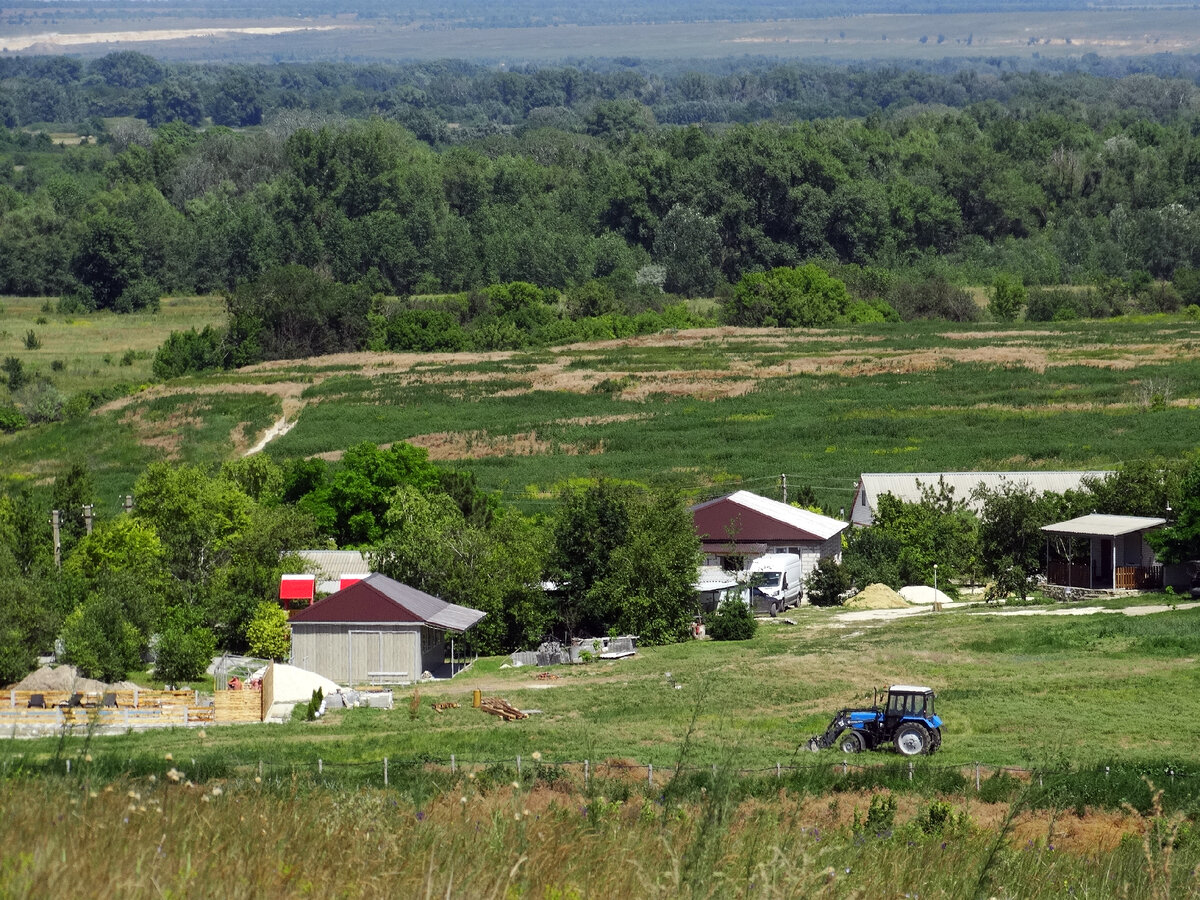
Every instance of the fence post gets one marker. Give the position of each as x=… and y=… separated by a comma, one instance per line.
x=776, y=771
x=385, y=772
x=977, y=776
x=518, y=766
x=260, y=768
x=585, y=773
x=650, y=774
x=910, y=770
x=68, y=767
x=714, y=770
x=453, y=765
x=1106, y=771
x=845, y=768
x=320, y=766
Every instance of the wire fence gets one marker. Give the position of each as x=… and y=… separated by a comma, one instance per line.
x=1108, y=785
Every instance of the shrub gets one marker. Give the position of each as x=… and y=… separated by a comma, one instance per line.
x=881, y=816
x=827, y=583
x=14, y=371
x=11, y=419
x=185, y=649
x=935, y=298
x=268, y=635
x=803, y=297
x=41, y=402
x=100, y=641
x=143, y=294
x=733, y=621
x=74, y=302
x=1007, y=298
x=190, y=351
x=940, y=817
x=32, y=341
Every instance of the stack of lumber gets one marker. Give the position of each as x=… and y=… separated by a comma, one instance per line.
x=502, y=708
x=438, y=707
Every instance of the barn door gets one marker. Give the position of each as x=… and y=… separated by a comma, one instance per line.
x=365, y=655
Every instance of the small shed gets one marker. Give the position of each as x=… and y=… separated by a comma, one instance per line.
x=379, y=631
x=1117, y=556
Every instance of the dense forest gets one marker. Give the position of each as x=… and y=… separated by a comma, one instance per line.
x=1052, y=180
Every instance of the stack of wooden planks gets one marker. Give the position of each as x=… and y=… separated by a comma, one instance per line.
x=502, y=708
x=439, y=707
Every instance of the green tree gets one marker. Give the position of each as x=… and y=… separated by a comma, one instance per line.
x=268, y=636
x=100, y=641
x=827, y=583
x=938, y=530
x=688, y=244
x=802, y=297
x=625, y=558
x=1010, y=536
x=184, y=648
x=109, y=260
x=430, y=545
x=1179, y=541
x=1007, y=298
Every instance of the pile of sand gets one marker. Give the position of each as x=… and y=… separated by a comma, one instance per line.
x=876, y=596
x=922, y=594
x=65, y=678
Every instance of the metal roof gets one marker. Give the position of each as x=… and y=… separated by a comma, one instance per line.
x=1104, y=526
x=331, y=565
x=907, y=486
x=714, y=578
x=378, y=598
x=910, y=689
x=813, y=524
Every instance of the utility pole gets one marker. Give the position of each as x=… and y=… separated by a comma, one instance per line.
x=783, y=480
x=54, y=519
x=88, y=516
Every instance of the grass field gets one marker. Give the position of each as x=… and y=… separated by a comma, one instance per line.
x=1059, y=697
x=700, y=410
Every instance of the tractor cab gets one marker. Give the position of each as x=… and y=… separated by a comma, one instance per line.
x=907, y=701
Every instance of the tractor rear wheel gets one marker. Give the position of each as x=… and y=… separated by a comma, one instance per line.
x=852, y=742
x=912, y=739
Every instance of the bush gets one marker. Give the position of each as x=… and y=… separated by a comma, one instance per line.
x=861, y=312
x=268, y=635
x=143, y=294
x=11, y=419
x=100, y=641
x=190, y=351
x=32, y=341
x=802, y=297
x=733, y=621
x=932, y=299
x=41, y=402
x=827, y=583
x=184, y=650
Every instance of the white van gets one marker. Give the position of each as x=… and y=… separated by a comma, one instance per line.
x=777, y=583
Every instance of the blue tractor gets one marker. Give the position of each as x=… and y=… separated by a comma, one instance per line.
x=907, y=721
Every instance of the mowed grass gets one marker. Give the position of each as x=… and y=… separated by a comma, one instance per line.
x=1023, y=691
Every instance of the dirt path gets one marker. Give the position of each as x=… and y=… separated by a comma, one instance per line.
x=877, y=615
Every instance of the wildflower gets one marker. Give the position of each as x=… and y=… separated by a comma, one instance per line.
x=516, y=785
x=93, y=795
x=527, y=813
x=420, y=816
x=132, y=807
x=174, y=774
x=536, y=756
x=202, y=734
x=87, y=757
x=471, y=776
x=152, y=779
x=257, y=780
x=516, y=817
x=462, y=799
x=679, y=687
x=204, y=799
x=168, y=757
x=216, y=791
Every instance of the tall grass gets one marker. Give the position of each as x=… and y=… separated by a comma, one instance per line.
x=270, y=839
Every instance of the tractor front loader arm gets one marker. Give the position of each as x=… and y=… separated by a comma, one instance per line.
x=823, y=741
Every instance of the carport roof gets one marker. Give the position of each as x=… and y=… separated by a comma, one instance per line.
x=1102, y=525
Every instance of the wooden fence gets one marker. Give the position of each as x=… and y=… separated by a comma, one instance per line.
x=231, y=707
x=127, y=708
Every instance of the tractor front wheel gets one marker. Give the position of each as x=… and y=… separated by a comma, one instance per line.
x=912, y=739
x=852, y=743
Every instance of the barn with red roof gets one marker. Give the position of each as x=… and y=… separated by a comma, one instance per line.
x=378, y=631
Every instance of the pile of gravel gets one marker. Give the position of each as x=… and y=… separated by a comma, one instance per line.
x=65, y=678
x=876, y=596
